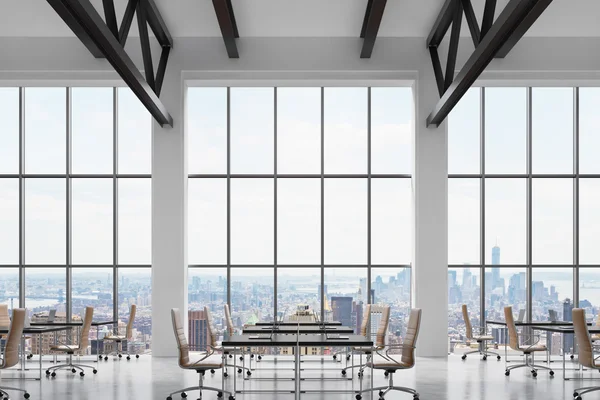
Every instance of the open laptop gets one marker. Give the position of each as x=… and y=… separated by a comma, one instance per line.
x=552, y=316
x=328, y=335
x=273, y=328
x=51, y=316
x=521, y=316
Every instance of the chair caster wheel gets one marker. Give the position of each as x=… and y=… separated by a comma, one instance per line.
x=120, y=355
x=260, y=357
x=464, y=357
x=551, y=373
x=169, y=398
x=219, y=395
x=498, y=358
x=335, y=357
x=507, y=373
x=128, y=358
x=73, y=370
x=239, y=370
x=575, y=394
x=53, y=374
x=348, y=358
x=578, y=398
x=248, y=373
x=386, y=373
x=203, y=373
x=26, y=395
x=230, y=356
x=81, y=374
x=358, y=397
x=183, y=395
x=231, y=398
x=212, y=371
x=572, y=356
x=105, y=358
x=343, y=372
x=95, y=371
x=484, y=358
x=535, y=374
x=225, y=374
x=100, y=358
x=137, y=356
x=360, y=374
x=251, y=355
x=47, y=372
x=381, y=393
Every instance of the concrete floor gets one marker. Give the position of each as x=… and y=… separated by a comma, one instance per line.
x=155, y=378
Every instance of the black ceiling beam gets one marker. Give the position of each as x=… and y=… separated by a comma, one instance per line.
x=157, y=24
x=84, y=18
x=538, y=8
x=370, y=27
x=228, y=26
x=516, y=18
x=441, y=24
x=437, y=70
x=471, y=21
x=110, y=16
x=77, y=29
x=453, y=49
x=126, y=21
x=162, y=67
x=145, y=43
x=488, y=17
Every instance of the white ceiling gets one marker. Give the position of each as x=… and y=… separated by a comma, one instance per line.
x=300, y=18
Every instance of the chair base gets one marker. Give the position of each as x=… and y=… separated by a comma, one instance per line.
x=580, y=391
x=70, y=366
x=530, y=364
x=4, y=393
x=220, y=391
x=383, y=390
x=485, y=353
x=118, y=351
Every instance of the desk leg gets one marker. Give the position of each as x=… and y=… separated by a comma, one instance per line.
x=234, y=371
x=40, y=349
x=297, y=374
x=562, y=336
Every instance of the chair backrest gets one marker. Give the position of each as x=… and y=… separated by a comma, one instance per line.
x=182, y=344
x=586, y=354
x=513, y=336
x=228, y=320
x=469, y=328
x=364, y=326
x=129, y=330
x=212, y=331
x=410, y=340
x=84, y=335
x=383, y=326
x=4, y=316
x=11, y=350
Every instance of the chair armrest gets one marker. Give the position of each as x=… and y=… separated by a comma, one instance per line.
x=525, y=335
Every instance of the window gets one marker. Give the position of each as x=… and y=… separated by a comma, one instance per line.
x=531, y=200
x=78, y=192
x=296, y=207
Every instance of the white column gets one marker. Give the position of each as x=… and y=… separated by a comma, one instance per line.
x=169, y=217
x=430, y=205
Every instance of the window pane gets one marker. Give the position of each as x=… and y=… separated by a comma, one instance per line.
x=346, y=117
x=9, y=221
x=135, y=287
x=134, y=133
x=505, y=220
x=551, y=288
x=463, y=288
x=464, y=131
x=345, y=221
x=207, y=287
x=589, y=221
x=45, y=221
x=92, y=130
x=552, y=225
x=505, y=130
x=92, y=221
x=505, y=287
x=344, y=295
x=45, y=289
x=9, y=134
x=589, y=295
x=92, y=287
x=207, y=221
x=299, y=221
x=391, y=130
x=298, y=130
x=9, y=287
x=391, y=221
x=135, y=221
x=463, y=221
x=207, y=130
x=298, y=286
x=252, y=212
x=552, y=130
x=45, y=130
x=252, y=130
x=589, y=136
x=391, y=287
x=251, y=295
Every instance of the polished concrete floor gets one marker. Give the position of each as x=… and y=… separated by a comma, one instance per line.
x=155, y=378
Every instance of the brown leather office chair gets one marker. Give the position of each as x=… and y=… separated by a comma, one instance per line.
x=10, y=355
x=391, y=363
x=527, y=350
x=119, y=339
x=586, y=353
x=75, y=349
x=481, y=338
x=209, y=361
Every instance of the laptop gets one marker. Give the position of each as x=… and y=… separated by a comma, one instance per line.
x=51, y=316
x=552, y=316
x=521, y=316
x=328, y=335
x=273, y=328
x=27, y=323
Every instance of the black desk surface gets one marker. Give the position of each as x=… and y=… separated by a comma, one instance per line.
x=94, y=323
x=533, y=323
x=304, y=329
x=296, y=323
x=283, y=340
x=35, y=330
x=564, y=329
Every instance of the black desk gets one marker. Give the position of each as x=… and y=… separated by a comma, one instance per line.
x=94, y=323
x=532, y=323
x=296, y=341
x=271, y=323
x=34, y=330
x=302, y=329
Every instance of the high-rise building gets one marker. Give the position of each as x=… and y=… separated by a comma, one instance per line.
x=568, y=316
x=451, y=279
x=466, y=281
x=197, y=330
x=496, y=255
x=342, y=309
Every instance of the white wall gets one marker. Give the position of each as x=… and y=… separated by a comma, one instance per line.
x=63, y=61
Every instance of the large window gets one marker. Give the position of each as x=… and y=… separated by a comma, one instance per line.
x=300, y=196
x=75, y=203
x=522, y=201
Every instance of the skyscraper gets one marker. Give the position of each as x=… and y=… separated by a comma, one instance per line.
x=495, y=270
x=197, y=330
x=451, y=279
x=341, y=308
x=568, y=316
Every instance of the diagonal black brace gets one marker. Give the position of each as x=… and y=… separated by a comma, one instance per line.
x=453, y=49
x=536, y=10
x=145, y=43
x=126, y=21
x=236, y=34
x=81, y=16
x=488, y=17
x=157, y=24
x=371, y=23
x=441, y=24
x=228, y=27
x=162, y=67
x=110, y=16
x=437, y=70
x=471, y=21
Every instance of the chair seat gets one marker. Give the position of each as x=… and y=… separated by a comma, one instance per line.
x=484, y=337
x=537, y=347
x=64, y=348
x=210, y=362
x=115, y=338
x=393, y=364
